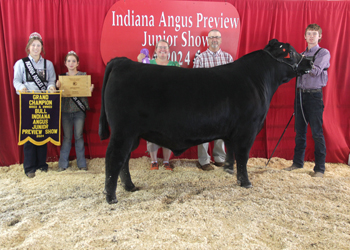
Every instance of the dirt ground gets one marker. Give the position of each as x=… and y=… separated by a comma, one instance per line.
x=184, y=209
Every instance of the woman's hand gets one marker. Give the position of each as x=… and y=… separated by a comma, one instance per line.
x=58, y=84
x=92, y=87
x=24, y=89
x=52, y=89
x=140, y=57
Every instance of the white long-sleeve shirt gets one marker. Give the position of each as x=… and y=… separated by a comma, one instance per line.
x=20, y=80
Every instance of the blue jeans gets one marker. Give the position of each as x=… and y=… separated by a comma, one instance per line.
x=69, y=120
x=313, y=107
x=34, y=157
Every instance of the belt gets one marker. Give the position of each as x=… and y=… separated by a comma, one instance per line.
x=309, y=90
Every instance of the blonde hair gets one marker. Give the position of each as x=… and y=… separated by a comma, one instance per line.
x=164, y=41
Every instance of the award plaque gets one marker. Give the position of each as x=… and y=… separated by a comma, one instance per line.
x=75, y=86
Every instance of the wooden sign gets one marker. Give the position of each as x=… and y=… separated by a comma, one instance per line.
x=75, y=86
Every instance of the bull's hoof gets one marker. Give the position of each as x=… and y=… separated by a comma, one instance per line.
x=229, y=170
x=132, y=189
x=111, y=199
x=246, y=185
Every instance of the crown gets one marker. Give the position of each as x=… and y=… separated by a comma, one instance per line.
x=72, y=52
x=35, y=34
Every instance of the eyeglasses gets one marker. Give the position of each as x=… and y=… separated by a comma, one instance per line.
x=214, y=37
x=162, y=47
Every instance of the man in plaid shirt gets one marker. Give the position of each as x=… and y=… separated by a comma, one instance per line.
x=212, y=57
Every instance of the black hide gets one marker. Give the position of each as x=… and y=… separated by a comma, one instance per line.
x=179, y=108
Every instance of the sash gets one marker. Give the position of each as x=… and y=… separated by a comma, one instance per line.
x=79, y=103
x=31, y=70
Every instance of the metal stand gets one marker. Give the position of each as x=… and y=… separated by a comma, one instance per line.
x=295, y=110
x=280, y=139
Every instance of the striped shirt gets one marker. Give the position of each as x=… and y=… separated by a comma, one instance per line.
x=209, y=59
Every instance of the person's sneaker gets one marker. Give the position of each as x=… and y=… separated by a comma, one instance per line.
x=85, y=169
x=154, y=166
x=207, y=167
x=167, y=166
x=31, y=175
x=291, y=168
x=318, y=174
x=61, y=169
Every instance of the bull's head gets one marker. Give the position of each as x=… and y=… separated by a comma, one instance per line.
x=285, y=53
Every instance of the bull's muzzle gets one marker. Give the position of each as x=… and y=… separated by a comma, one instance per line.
x=310, y=63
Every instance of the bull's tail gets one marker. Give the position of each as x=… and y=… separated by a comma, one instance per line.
x=103, y=129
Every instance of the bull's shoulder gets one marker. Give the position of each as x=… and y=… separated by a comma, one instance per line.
x=251, y=59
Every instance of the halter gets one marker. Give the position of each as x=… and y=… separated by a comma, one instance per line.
x=293, y=66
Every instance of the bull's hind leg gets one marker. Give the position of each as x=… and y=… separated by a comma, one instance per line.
x=117, y=155
x=125, y=177
x=230, y=158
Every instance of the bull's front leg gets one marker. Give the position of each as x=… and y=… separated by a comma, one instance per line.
x=242, y=173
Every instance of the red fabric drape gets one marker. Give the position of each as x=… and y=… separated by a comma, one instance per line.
x=76, y=25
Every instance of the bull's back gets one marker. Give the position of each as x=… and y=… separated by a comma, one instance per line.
x=149, y=95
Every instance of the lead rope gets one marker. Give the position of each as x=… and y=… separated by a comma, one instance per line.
x=301, y=101
x=302, y=108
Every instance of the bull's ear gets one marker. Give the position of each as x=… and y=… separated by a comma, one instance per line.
x=273, y=42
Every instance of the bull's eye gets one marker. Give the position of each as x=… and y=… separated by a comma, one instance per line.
x=281, y=45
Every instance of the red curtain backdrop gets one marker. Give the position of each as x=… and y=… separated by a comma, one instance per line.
x=76, y=25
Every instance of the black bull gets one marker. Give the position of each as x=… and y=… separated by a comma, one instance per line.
x=179, y=108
